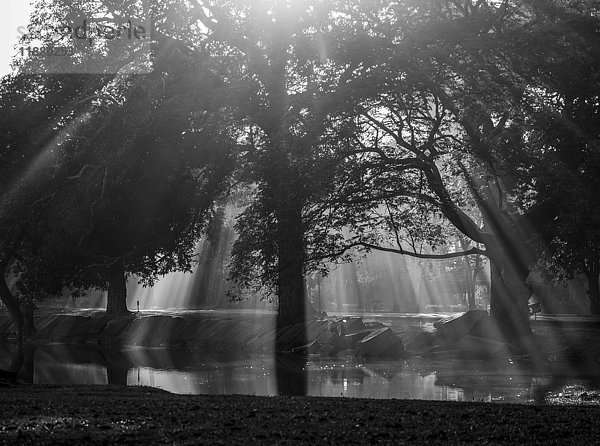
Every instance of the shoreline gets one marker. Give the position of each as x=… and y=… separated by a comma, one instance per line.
x=36, y=414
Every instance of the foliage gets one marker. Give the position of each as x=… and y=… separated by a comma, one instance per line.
x=131, y=174
x=564, y=127
x=395, y=125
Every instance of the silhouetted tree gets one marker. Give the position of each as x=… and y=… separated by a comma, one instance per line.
x=33, y=112
x=452, y=97
x=564, y=130
x=123, y=182
x=287, y=91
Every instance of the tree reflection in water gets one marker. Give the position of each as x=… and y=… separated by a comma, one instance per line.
x=292, y=375
x=199, y=371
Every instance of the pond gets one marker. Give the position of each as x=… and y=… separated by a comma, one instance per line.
x=571, y=374
x=200, y=372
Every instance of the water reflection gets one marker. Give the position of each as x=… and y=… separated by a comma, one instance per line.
x=418, y=379
x=202, y=372
x=237, y=378
x=291, y=375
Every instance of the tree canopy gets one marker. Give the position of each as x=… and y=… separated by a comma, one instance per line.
x=124, y=182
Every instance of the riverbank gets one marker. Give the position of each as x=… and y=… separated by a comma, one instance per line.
x=33, y=414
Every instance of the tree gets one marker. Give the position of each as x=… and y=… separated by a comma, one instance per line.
x=34, y=109
x=564, y=128
x=285, y=86
x=164, y=160
x=129, y=184
x=453, y=96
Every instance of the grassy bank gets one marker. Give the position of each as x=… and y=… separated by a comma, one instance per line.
x=137, y=415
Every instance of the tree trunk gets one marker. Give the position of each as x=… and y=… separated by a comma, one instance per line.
x=23, y=362
x=18, y=359
x=592, y=275
x=509, y=296
x=319, y=280
x=291, y=292
x=294, y=305
x=117, y=290
x=10, y=302
x=470, y=282
x=511, y=255
x=284, y=188
x=27, y=371
x=470, y=291
x=116, y=376
x=28, y=312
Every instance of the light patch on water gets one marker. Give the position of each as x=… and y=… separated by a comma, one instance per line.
x=229, y=379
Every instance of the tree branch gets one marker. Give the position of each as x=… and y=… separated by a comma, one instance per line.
x=401, y=251
x=451, y=255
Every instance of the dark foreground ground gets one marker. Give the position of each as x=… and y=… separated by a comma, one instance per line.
x=31, y=414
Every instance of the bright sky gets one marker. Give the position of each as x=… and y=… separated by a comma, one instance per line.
x=14, y=14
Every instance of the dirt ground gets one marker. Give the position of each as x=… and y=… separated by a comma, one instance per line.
x=33, y=414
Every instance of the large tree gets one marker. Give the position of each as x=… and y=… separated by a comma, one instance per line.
x=284, y=85
x=34, y=110
x=406, y=97
x=123, y=182
x=450, y=93
x=565, y=128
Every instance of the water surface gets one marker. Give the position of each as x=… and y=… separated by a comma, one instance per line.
x=196, y=371
x=573, y=368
